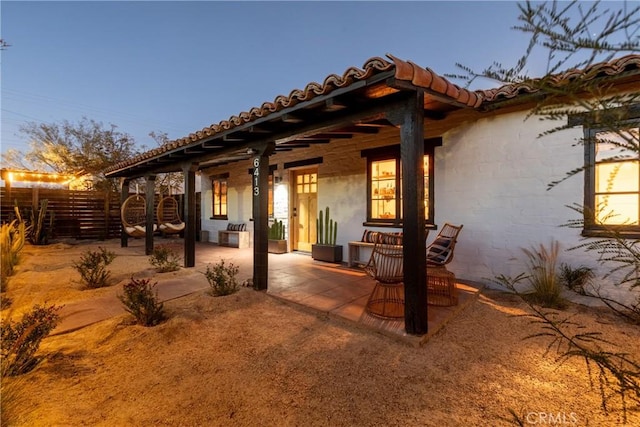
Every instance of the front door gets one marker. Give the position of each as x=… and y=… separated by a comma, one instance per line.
x=305, y=208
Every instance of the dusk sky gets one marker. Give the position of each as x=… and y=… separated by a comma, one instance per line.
x=177, y=67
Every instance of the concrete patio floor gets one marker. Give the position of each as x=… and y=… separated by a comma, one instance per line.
x=330, y=289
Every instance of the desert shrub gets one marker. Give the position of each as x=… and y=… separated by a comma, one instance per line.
x=164, y=259
x=142, y=302
x=576, y=279
x=222, y=278
x=12, y=238
x=21, y=340
x=93, y=267
x=543, y=277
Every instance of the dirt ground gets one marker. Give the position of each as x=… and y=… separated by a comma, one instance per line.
x=250, y=360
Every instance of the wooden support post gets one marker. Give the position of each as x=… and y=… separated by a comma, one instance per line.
x=411, y=120
x=260, y=192
x=124, y=193
x=189, y=170
x=150, y=199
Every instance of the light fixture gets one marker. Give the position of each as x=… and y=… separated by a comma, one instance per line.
x=251, y=151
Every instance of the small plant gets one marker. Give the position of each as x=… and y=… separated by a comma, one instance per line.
x=142, y=302
x=12, y=237
x=21, y=340
x=165, y=259
x=39, y=230
x=327, y=229
x=276, y=231
x=93, y=267
x=576, y=279
x=222, y=278
x=543, y=275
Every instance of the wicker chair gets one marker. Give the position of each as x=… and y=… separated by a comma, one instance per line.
x=386, y=268
x=133, y=214
x=441, y=283
x=169, y=216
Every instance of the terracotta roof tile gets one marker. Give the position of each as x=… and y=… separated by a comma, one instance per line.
x=404, y=71
x=426, y=78
x=611, y=68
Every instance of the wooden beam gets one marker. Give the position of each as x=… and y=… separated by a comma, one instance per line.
x=332, y=105
x=411, y=119
x=260, y=194
x=124, y=193
x=229, y=138
x=337, y=134
x=359, y=128
x=290, y=118
x=150, y=191
x=189, y=170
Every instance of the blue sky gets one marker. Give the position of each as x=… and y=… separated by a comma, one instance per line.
x=177, y=67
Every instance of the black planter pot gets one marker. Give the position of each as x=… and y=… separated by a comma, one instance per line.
x=277, y=247
x=327, y=253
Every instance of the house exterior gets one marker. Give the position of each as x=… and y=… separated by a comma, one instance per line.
x=392, y=146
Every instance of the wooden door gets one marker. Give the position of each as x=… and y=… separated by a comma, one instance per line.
x=305, y=208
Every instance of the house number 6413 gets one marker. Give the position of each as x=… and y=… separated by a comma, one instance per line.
x=256, y=176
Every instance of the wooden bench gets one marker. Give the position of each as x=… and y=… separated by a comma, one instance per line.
x=368, y=241
x=235, y=236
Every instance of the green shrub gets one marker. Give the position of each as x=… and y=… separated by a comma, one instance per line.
x=93, y=267
x=222, y=278
x=21, y=340
x=142, y=302
x=576, y=279
x=165, y=259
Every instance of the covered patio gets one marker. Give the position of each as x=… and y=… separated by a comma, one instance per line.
x=392, y=96
x=333, y=290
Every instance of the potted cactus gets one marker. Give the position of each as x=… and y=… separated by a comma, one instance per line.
x=326, y=248
x=277, y=243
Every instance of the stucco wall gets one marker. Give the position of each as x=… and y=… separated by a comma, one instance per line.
x=490, y=175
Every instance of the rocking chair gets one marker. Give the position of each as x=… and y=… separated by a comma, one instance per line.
x=133, y=214
x=169, y=216
x=386, y=268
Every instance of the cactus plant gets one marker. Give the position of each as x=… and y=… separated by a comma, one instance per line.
x=327, y=229
x=276, y=231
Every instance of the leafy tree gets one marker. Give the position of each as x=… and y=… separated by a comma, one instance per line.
x=86, y=147
x=577, y=35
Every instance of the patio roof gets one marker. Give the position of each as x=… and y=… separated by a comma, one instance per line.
x=339, y=107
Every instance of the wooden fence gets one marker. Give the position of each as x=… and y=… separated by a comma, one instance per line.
x=76, y=214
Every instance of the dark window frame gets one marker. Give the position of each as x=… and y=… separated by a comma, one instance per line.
x=220, y=178
x=590, y=128
x=393, y=153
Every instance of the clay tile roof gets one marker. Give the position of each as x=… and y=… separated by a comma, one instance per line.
x=425, y=78
x=611, y=68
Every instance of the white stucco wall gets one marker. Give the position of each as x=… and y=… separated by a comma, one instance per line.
x=490, y=175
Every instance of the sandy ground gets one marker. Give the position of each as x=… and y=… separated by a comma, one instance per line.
x=250, y=360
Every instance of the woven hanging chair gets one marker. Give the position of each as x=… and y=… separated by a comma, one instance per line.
x=169, y=216
x=134, y=216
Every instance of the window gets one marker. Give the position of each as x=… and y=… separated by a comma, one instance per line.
x=612, y=186
x=384, y=176
x=219, y=186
